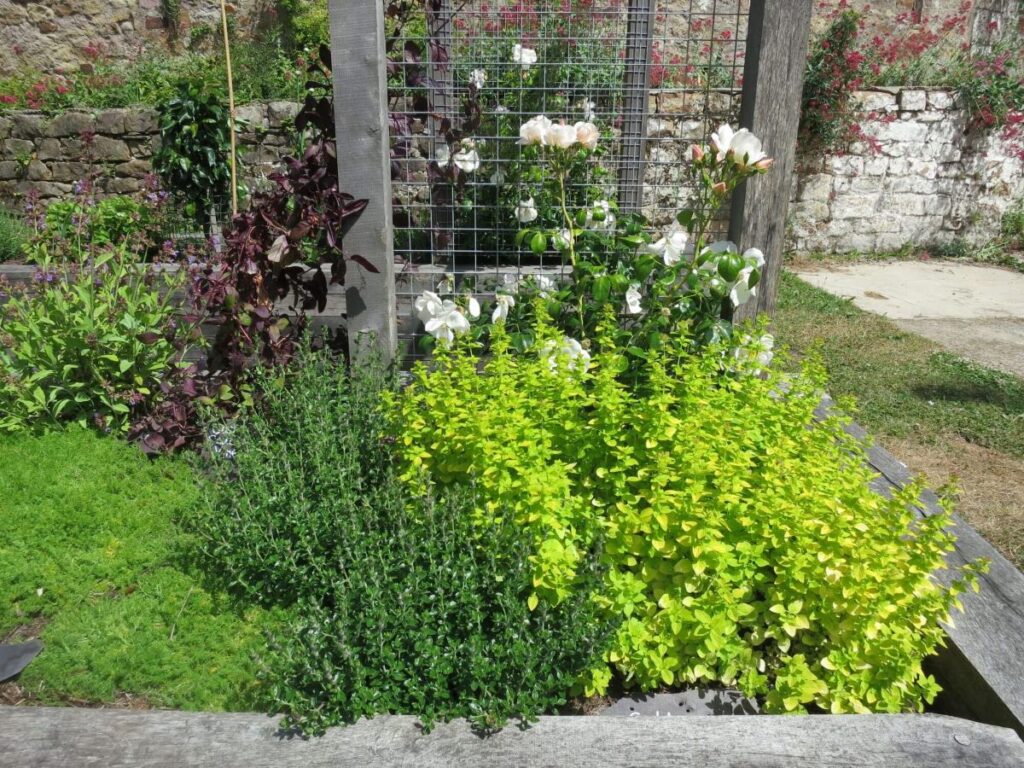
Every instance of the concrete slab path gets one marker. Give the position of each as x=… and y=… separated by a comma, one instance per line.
x=974, y=311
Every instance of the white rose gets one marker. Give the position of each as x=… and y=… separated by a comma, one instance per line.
x=448, y=323
x=502, y=304
x=600, y=216
x=442, y=155
x=633, y=297
x=534, y=130
x=588, y=108
x=477, y=78
x=754, y=257
x=560, y=135
x=524, y=57
x=742, y=291
x=467, y=159
x=427, y=306
x=587, y=134
x=745, y=149
x=720, y=140
x=473, y=307
x=569, y=350
x=526, y=211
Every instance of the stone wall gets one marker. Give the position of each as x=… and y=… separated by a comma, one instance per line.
x=116, y=146
x=55, y=34
x=931, y=180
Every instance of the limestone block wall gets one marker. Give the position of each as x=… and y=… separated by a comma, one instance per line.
x=116, y=147
x=930, y=180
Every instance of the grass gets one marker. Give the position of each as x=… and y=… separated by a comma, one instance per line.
x=14, y=234
x=91, y=562
x=957, y=419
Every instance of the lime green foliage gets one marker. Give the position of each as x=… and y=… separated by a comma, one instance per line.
x=904, y=384
x=86, y=343
x=91, y=553
x=14, y=235
x=742, y=546
x=305, y=22
x=398, y=605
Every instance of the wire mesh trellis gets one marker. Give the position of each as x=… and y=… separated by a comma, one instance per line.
x=654, y=75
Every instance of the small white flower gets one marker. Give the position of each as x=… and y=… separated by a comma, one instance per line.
x=428, y=305
x=742, y=291
x=502, y=304
x=562, y=240
x=498, y=178
x=534, y=130
x=587, y=134
x=473, y=307
x=524, y=57
x=569, y=350
x=526, y=211
x=442, y=156
x=448, y=323
x=511, y=282
x=588, y=108
x=467, y=159
x=633, y=297
x=754, y=257
x=544, y=285
x=500, y=109
x=671, y=247
x=478, y=78
x=560, y=135
x=743, y=146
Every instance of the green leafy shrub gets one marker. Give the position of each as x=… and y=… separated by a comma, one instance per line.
x=402, y=603
x=742, y=542
x=90, y=562
x=109, y=221
x=194, y=143
x=86, y=342
x=14, y=234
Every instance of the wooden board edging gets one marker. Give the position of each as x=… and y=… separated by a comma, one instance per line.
x=39, y=736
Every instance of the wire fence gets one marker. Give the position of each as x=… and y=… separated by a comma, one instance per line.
x=654, y=75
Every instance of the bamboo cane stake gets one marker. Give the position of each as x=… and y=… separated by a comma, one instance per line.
x=231, y=106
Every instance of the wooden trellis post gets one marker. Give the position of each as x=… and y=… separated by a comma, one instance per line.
x=632, y=162
x=361, y=120
x=773, y=77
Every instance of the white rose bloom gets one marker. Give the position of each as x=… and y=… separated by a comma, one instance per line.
x=526, y=211
x=560, y=135
x=569, y=350
x=448, y=323
x=754, y=257
x=442, y=155
x=721, y=139
x=746, y=149
x=478, y=78
x=473, y=307
x=427, y=306
x=633, y=297
x=502, y=304
x=607, y=221
x=741, y=291
x=467, y=159
x=588, y=108
x=671, y=247
x=544, y=284
x=562, y=240
x=534, y=130
x=524, y=57
x=587, y=134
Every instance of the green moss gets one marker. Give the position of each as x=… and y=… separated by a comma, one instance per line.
x=90, y=554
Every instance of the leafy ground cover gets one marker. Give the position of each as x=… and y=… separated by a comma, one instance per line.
x=943, y=415
x=90, y=561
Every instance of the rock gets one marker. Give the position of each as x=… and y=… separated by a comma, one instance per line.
x=111, y=122
x=71, y=124
x=913, y=100
x=141, y=121
x=49, y=149
x=282, y=113
x=106, y=149
x=17, y=148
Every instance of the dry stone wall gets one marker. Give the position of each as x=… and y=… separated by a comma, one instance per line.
x=116, y=146
x=930, y=180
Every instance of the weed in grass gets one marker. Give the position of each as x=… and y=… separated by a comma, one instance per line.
x=14, y=235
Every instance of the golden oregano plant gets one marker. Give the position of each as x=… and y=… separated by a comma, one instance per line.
x=742, y=542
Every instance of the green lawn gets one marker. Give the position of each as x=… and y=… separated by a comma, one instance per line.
x=905, y=385
x=91, y=562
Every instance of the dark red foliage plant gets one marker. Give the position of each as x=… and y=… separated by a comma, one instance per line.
x=280, y=257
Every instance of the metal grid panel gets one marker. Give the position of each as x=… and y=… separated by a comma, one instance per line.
x=654, y=75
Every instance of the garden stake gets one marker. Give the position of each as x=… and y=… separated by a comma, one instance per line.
x=231, y=106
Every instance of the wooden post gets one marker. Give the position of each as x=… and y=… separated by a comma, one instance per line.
x=632, y=160
x=364, y=169
x=773, y=76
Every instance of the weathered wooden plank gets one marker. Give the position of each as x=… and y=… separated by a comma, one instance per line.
x=361, y=119
x=983, y=665
x=32, y=737
x=632, y=154
x=773, y=76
